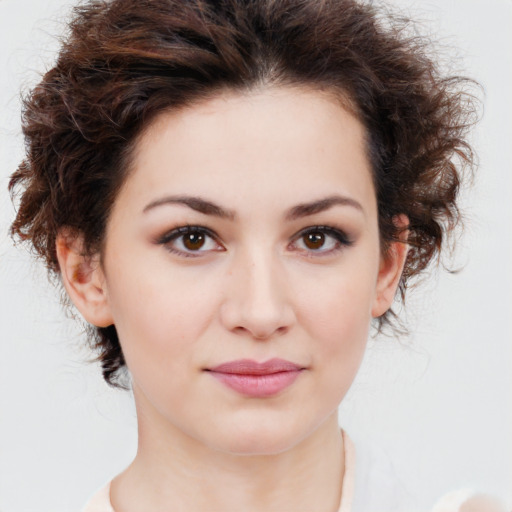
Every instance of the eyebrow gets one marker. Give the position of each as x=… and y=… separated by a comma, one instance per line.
x=305, y=209
x=209, y=208
x=195, y=203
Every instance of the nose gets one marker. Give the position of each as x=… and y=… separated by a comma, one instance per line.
x=256, y=300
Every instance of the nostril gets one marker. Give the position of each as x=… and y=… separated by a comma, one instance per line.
x=264, y=335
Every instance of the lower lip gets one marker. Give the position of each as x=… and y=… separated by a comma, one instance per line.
x=259, y=386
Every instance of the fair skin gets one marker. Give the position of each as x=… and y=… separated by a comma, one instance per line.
x=286, y=264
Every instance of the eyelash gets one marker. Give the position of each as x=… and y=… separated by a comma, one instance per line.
x=340, y=238
x=175, y=234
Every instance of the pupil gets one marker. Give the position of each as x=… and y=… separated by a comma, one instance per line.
x=193, y=241
x=315, y=240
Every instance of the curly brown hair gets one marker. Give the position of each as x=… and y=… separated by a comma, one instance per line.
x=125, y=61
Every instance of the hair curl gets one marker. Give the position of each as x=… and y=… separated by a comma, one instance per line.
x=126, y=61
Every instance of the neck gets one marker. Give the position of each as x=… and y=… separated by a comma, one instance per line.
x=174, y=472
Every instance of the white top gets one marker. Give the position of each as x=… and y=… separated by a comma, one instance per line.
x=370, y=484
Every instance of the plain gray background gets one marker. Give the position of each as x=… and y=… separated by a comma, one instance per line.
x=440, y=402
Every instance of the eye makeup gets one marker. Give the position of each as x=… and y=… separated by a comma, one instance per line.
x=190, y=241
x=320, y=240
x=196, y=241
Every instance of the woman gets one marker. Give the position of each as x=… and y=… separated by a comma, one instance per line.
x=231, y=193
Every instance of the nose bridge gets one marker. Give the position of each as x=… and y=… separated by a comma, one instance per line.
x=257, y=300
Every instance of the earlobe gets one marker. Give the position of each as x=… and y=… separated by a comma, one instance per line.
x=83, y=279
x=390, y=271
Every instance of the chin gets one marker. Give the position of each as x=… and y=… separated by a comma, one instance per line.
x=259, y=439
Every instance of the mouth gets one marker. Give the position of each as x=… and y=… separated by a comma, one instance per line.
x=258, y=380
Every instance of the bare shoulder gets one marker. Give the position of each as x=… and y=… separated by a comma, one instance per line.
x=468, y=501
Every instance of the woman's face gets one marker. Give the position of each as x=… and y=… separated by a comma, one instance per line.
x=247, y=230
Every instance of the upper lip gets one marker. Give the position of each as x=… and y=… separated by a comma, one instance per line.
x=250, y=367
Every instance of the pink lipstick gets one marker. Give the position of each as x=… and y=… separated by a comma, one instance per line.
x=255, y=379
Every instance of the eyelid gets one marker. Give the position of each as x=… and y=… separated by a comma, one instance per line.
x=341, y=238
x=339, y=235
x=184, y=230
x=176, y=233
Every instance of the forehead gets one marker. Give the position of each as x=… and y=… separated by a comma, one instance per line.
x=289, y=143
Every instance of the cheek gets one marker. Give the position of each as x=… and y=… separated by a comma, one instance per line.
x=340, y=307
x=338, y=316
x=159, y=315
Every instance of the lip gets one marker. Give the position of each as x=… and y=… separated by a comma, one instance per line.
x=254, y=379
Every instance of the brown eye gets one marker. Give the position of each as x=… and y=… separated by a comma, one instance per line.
x=314, y=240
x=194, y=241
x=320, y=241
x=191, y=241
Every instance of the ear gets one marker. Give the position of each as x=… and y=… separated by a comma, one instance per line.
x=390, y=270
x=83, y=279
